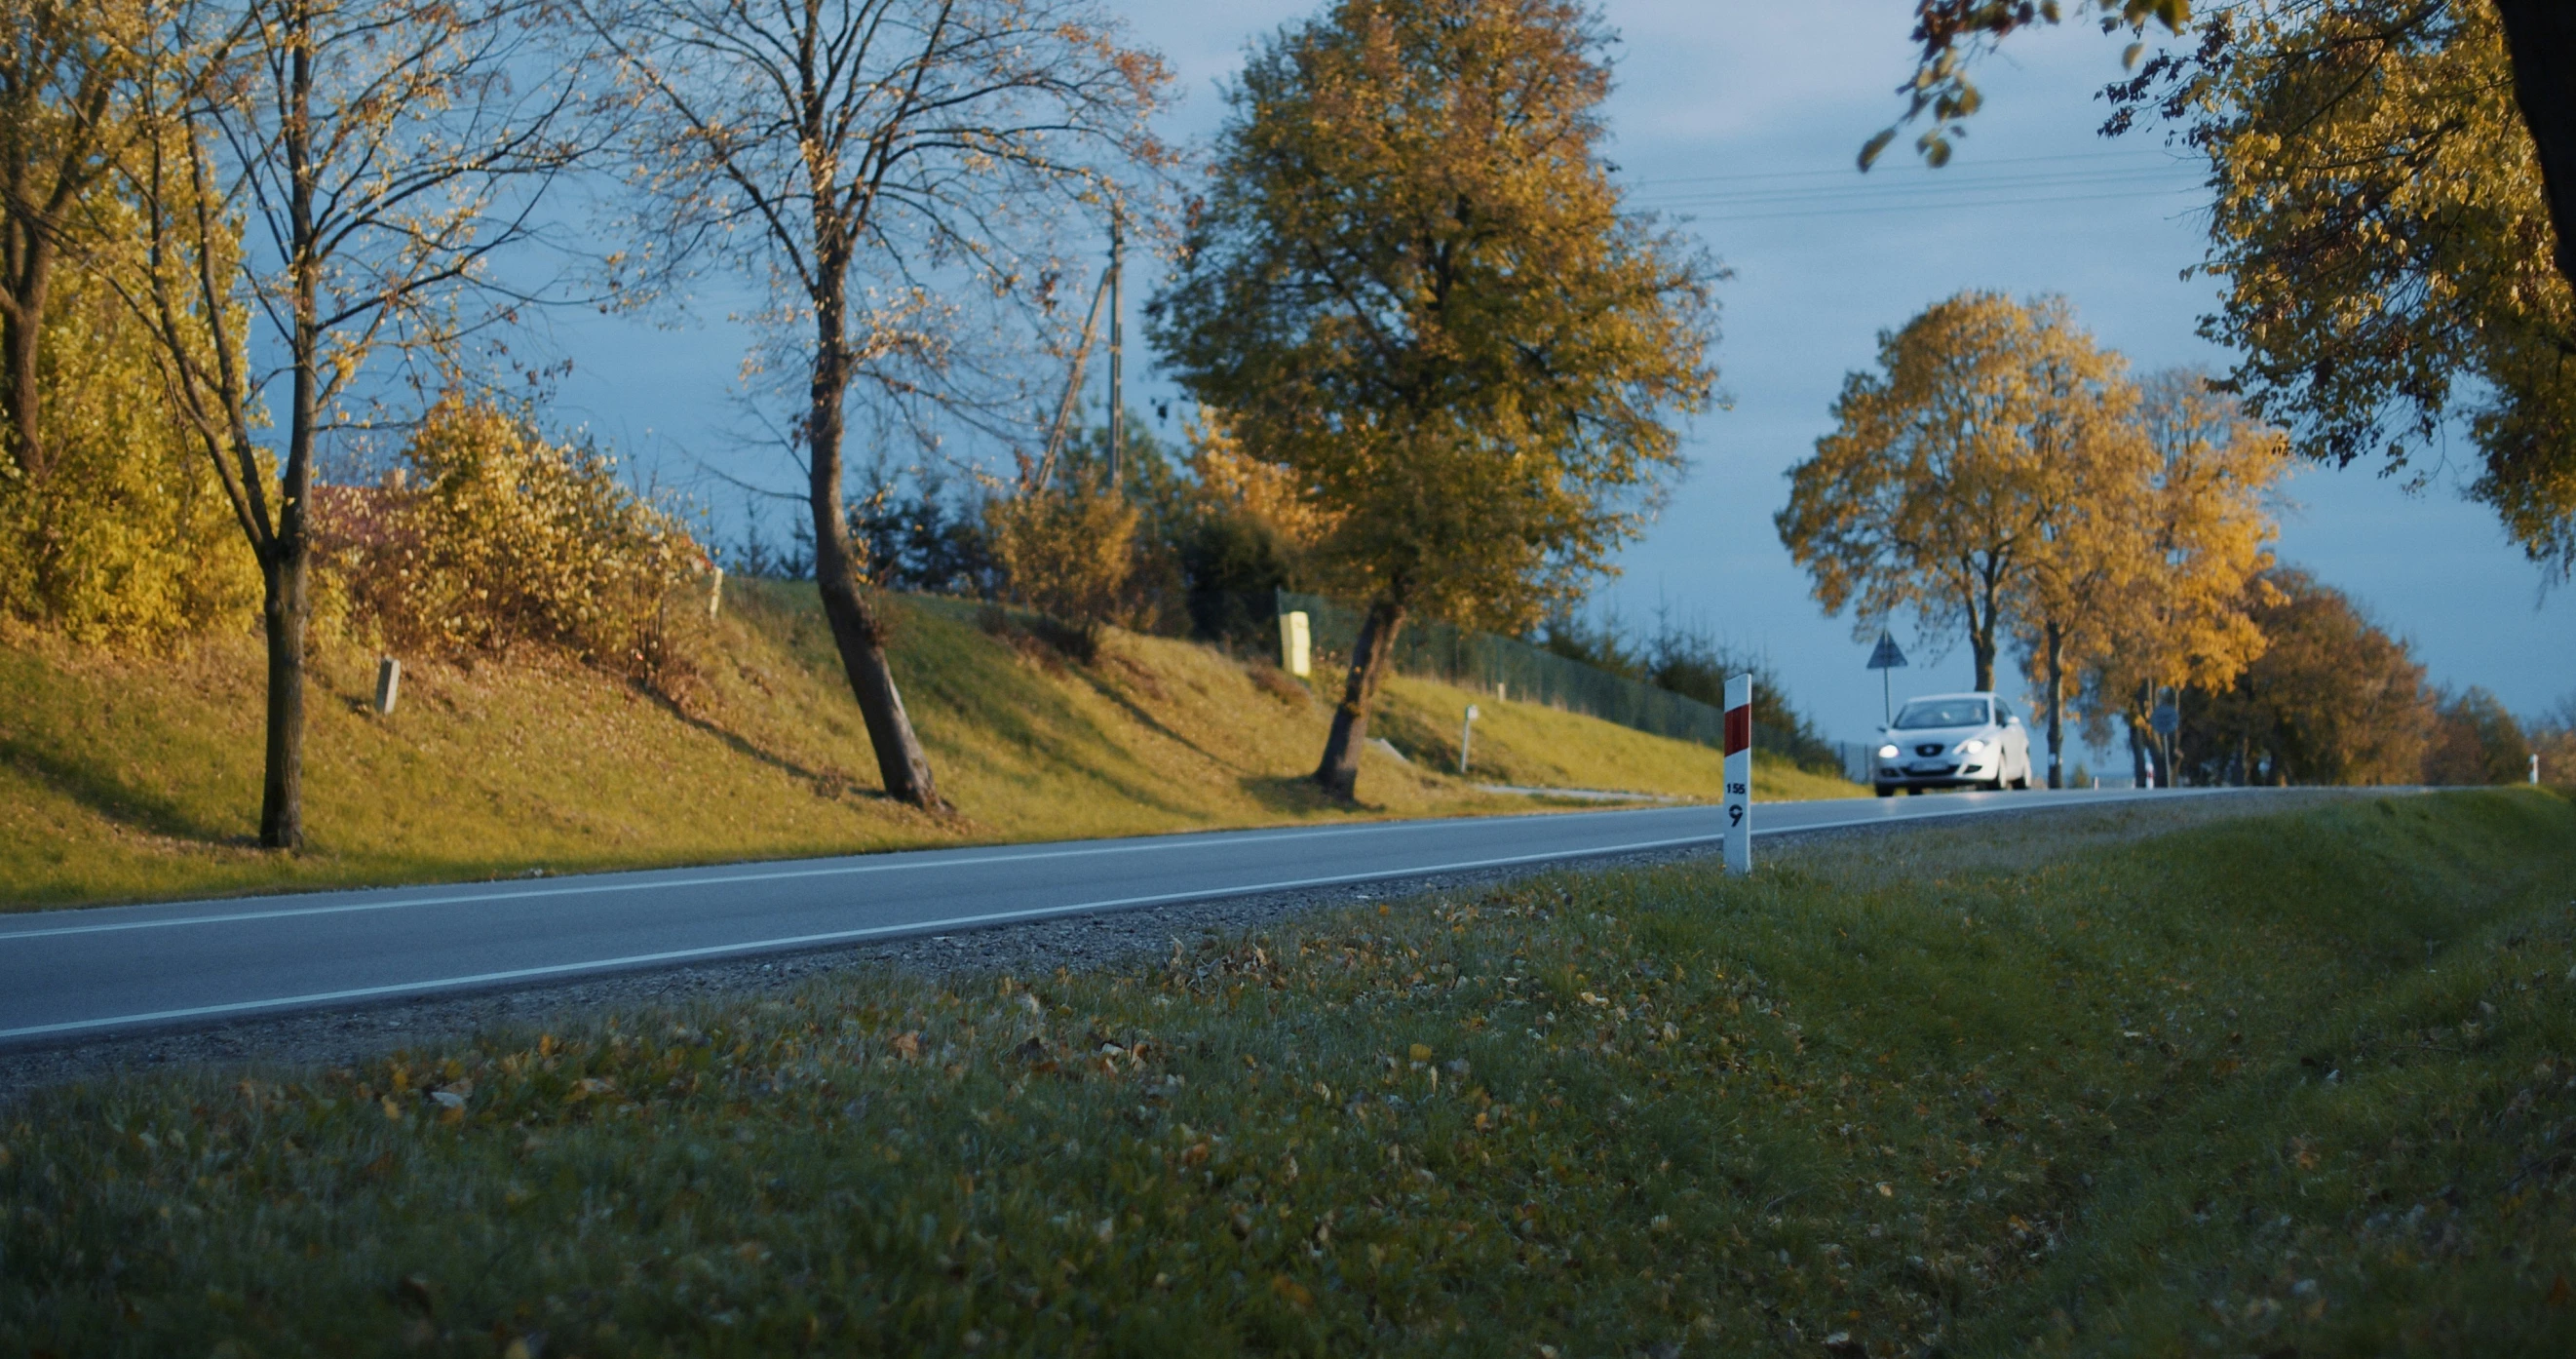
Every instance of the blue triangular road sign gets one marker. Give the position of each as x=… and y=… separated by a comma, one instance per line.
x=1887, y=657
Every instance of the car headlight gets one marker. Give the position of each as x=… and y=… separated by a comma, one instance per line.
x=1888, y=752
x=1971, y=746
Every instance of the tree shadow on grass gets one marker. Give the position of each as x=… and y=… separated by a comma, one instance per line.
x=1296, y=795
x=829, y=783
x=1137, y=713
x=90, y=785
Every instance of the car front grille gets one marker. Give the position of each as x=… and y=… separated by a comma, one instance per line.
x=1932, y=749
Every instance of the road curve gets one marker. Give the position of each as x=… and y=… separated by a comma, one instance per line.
x=76, y=974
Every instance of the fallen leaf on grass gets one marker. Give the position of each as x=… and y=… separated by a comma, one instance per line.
x=1292, y=1292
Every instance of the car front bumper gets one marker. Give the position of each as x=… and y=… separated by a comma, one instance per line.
x=1975, y=774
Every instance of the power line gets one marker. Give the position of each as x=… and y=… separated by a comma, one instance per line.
x=1956, y=168
x=1876, y=193
x=1933, y=206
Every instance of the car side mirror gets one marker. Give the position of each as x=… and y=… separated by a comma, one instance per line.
x=2012, y=721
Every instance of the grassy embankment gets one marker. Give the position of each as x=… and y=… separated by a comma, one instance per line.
x=124, y=779
x=2292, y=1084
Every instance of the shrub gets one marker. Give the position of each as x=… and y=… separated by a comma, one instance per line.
x=123, y=534
x=509, y=539
x=2475, y=740
x=1068, y=554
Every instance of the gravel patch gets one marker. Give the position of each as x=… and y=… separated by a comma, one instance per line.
x=343, y=1037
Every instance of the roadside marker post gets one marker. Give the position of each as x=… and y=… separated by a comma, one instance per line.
x=388, y=685
x=1296, y=644
x=1467, y=736
x=1739, y=774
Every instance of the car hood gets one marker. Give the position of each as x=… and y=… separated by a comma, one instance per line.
x=1911, y=736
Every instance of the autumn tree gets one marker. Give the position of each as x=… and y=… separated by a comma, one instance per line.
x=2332, y=699
x=66, y=72
x=2394, y=213
x=2206, y=523
x=331, y=180
x=2093, y=561
x=2476, y=741
x=1952, y=464
x=875, y=165
x=1414, y=284
x=2538, y=50
x=105, y=505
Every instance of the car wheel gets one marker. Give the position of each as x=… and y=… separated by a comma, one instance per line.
x=1992, y=785
x=1886, y=790
x=2022, y=784
x=1914, y=792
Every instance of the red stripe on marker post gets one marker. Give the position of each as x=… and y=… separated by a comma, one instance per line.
x=1739, y=774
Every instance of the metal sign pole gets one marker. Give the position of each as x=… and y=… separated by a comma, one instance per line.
x=1884, y=658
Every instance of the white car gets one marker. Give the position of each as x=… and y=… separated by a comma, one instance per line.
x=1952, y=741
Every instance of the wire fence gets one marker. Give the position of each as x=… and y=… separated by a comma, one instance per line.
x=1514, y=670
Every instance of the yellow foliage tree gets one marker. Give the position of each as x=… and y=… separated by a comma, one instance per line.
x=123, y=536
x=1231, y=478
x=2187, y=619
x=2094, y=557
x=1068, y=552
x=1950, y=467
x=1415, y=284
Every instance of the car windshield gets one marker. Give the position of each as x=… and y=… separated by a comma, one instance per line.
x=1943, y=712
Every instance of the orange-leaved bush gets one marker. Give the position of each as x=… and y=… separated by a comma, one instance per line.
x=1068, y=553
x=497, y=537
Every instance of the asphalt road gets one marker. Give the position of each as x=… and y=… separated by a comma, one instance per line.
x=68, y=975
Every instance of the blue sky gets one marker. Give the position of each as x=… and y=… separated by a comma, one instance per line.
x=1746, y=116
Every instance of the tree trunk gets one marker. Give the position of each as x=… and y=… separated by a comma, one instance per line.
x=283, y=613
x=22, y=326
x=2056, y=706
x=1981, y=622
x=2138, y=744
x=858, y=631
x=2540, y=37
x=285, y=560
x=1340, y=770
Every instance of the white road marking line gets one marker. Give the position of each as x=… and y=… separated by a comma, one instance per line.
x=831, y=937
x=882, y=865
x=890, y=865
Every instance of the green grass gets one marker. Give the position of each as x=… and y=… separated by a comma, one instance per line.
x=2284, y=1084
x=124, y=779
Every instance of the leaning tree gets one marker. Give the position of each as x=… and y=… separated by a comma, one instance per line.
x=878, y=166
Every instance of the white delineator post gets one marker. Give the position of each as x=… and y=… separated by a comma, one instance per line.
x=1295, y=644
x=1739, y=774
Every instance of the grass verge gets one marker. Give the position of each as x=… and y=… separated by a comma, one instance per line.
x=2291, y=1084
x=126, y=779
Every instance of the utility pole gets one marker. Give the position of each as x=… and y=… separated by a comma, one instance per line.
x=1117, y=347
